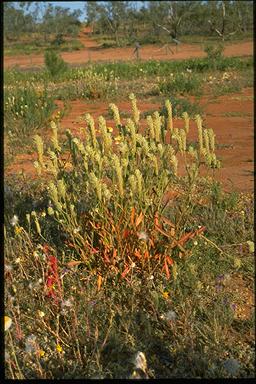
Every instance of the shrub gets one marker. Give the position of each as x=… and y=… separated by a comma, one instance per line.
x=54, y=63
x=26, y=108
x=180, y=83
x=112, y=194
x=86, y=84
x=214, y=51
x=179, y=106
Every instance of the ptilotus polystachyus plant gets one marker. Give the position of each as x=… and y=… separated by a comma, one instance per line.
x=135, y=111
x=116, y=114
x=39, y=165
x=134, y=163
x=151, y=129
x=168, y=106
x=54, y=138
x=90, y=122
x=35, y=217
x=200, y=132
x=186, y=120
x=211, y=137
x=106, y=137
x=119, y=175
x=131, y=127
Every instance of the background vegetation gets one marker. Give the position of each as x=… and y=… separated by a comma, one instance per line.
x=117, y=23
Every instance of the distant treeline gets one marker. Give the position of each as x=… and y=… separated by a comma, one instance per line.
x=131, y=20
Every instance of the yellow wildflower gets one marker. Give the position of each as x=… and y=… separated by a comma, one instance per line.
x=41, y=313
x=41, y=353
x=18, y=229
x=165, y=295
x=59, y=348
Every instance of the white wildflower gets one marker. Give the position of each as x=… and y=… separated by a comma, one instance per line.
x=14, y=220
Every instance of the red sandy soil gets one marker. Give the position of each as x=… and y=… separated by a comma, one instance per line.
x=233, y=133
x=92, y=52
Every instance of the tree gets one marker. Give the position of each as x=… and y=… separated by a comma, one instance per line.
x=60, y=21
x=110, y=16
x=15, y=21
x=229, y=17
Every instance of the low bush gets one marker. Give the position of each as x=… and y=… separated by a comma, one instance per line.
x=55, y=65
x=214, y=51
x=180, y=83
x=26, y=108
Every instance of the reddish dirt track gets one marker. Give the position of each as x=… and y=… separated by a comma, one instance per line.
x=92, y=52
x=234, y=135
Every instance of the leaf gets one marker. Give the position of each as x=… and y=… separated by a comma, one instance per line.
x=124, y=273
x=139, y=219
x=137, y=253
x=166, y=270
x=159, y=229
x=166, y=221
x=114, y=254
x=251, y=246
x=146, y=255
x=169, y=260
x=156, y=221
x=172, y=232
x=190, y=235
x=126, y=233
x=99, y=282
x=132, y=215
x=106, y=258
x=73, y=263
x=151, y=242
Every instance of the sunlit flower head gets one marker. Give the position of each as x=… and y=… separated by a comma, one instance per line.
x=142, y=235
x=7, y=323
x=59, y=348
x=14, y=220
x=140, y=361
x=41, y=353
x=165, y=295
x=41, y=313
x=169, y=316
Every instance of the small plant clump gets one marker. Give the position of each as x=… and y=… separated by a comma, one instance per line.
x=54, y=63
x=122, y=177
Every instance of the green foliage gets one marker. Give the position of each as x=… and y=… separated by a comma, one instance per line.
x=181, y=83
x=130, y=71
x=214, y=51
x=26, y=108
x=181, y=105
x=86, y=84
x=55, y=64
x=59, y=40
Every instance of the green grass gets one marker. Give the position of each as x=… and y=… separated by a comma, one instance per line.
x=131, y=70
x=26, y=109
x=24, y=48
